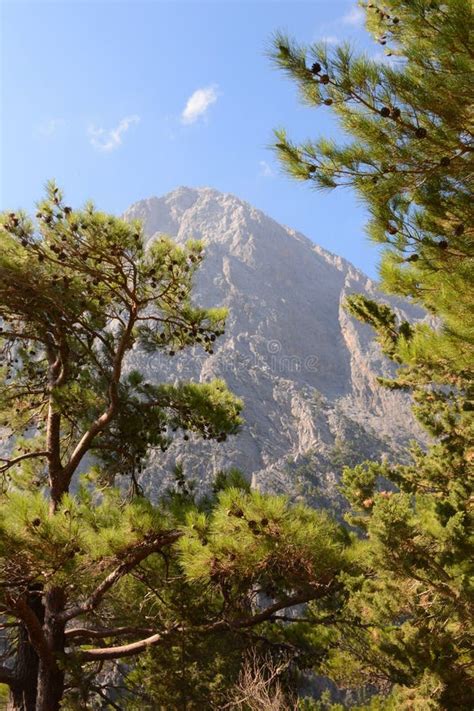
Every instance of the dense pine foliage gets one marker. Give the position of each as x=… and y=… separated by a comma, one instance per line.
x=408, y=156
x=92, y=571
x=78, y=291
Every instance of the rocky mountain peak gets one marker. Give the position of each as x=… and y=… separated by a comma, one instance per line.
x=222, y=217
x=305, y=370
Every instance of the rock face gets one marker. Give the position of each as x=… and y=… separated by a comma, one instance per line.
x=305, y=369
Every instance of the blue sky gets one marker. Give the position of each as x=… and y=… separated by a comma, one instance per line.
x=119, y=101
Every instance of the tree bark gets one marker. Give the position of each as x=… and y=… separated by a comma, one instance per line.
x=23, y=690
x=50, y=673
x=50, y=688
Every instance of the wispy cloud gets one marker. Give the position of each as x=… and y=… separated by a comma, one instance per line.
x=330, y=39
x=198, y=103
x=337, y=28
x=354, y=17
x=266, y=171
x=51, y=126
x=106, y=140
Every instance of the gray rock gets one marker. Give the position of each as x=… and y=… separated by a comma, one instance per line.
x=305, y=369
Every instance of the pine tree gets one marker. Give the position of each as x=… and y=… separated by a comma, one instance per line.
x=409, y=157
x=90, y=573
x=77, y=293
x=176, y=584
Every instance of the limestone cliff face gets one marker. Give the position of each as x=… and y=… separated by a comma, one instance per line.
x=305, y=369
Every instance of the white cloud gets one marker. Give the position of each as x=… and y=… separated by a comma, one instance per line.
x=354, y=17
x=107, y=140
x=330, y=39
x=198, y=103
x=51, y=126
x=266, y=170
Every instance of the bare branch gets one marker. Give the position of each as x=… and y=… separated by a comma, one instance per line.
x=85, y=632
x=8, y=463
x=104, y=696
x=126, y=650
x=259, y=688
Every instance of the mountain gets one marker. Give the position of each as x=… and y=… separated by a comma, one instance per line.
x=305, y=369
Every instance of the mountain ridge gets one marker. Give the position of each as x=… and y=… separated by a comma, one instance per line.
x=289, y=344
x=185, y=190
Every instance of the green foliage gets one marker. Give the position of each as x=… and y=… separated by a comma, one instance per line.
x=240, y=561
x=101, y=574
x=240, y=548
x=37, y=547
x=399, y=699
x=410, y=154
x=409, y=158
x=233, y=478
x=198, y=672
x=78, y=291
x=256, y=539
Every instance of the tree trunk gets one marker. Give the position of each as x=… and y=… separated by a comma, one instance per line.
x=23, y=692
x=50, y=688
x=50, y=674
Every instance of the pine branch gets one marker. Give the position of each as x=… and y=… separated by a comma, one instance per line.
x=101, y=423
x=8, y=463
x=140, y=646
x=130, y=559
x=87, y=633
x=36, y=635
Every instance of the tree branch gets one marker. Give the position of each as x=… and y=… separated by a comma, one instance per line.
x=130, y=559
x=133, y=648
x=11, y=462
x=105, y=632
x=126, y=650
x=297, y=599
x=85, y=442
x=35, y=631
